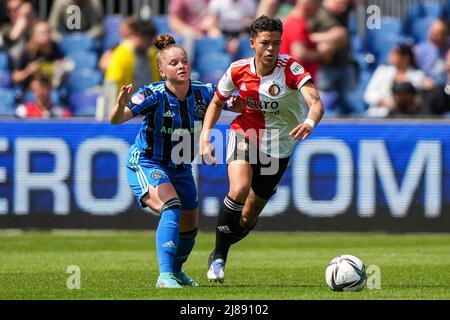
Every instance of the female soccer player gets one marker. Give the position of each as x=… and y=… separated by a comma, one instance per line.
x=271, y=86
x=160, y=177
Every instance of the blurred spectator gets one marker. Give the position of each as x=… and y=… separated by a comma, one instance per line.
x=16, y=26
x=41, y=55
x=430, y=54
x=406, y=101
x=296, y=40
x=378, y=94
x=187, y=19
x=125, y=31
x=230, y=18
x=133, y=61
x=275, y=8
x=43, y=107
x=330, y=34
x=63, y=20
x=438, y=98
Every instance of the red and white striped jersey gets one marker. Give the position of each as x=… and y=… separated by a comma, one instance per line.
x=273, y=104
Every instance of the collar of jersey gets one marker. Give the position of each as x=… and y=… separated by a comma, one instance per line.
x=171, y=94
x=253, y=68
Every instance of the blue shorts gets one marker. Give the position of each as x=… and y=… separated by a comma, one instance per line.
x=142, y=173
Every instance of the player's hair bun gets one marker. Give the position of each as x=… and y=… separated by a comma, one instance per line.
x=163, y=41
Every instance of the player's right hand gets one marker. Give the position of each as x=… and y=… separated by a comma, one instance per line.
x=125, y=95
x=207, y=153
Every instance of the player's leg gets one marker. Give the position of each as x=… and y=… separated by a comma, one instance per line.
x=164, y=200
x=264, y=186
x=184, y=184
x=240, y=176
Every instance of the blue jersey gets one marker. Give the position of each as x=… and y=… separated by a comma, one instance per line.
x=166, y=116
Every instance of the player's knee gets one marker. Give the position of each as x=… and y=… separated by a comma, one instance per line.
x=172, y=204
x=248, y=222
x=239, y=192
x=189, y=235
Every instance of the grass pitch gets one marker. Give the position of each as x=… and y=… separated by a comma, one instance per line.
x=270, y=266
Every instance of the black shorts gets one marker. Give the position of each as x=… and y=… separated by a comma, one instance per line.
x=267, y=170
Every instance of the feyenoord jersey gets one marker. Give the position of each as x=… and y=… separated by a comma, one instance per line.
x=273, y=104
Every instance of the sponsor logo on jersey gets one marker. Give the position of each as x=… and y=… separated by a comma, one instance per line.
x=297, y=69
x=274, y=90
x=261, y=105
x=169, y=114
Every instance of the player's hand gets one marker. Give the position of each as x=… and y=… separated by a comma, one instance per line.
x=125, y=95
x=207, y=153
x=301, y=132
x=235, y=104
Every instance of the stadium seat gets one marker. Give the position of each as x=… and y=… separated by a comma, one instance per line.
x=161, y=23
x=7, y=102
x=357, y=43
x=77, y=42
x=382, y=45
x=207, y=45
x=244, y=50
x=419, y=28
x=353, y=25
x=432, y=9
x=212, y=62
x=389, y=26
x=5, y=79
x=4, y=61
x=84, y=60
x=83, y=103
x=112, y=22
x=80, y=80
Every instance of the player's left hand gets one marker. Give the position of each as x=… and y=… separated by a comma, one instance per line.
x=235, y=104
x=301, y=132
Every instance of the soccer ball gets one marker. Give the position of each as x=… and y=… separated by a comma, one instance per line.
x=346, y=273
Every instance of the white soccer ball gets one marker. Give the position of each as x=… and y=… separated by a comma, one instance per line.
x=346, y=273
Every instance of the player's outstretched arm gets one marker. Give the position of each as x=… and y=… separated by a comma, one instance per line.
x=120, y=113
x=212, y=115
x=316, y=112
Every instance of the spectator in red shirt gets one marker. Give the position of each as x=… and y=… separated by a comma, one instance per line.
x=296, y=39
x=43, y=107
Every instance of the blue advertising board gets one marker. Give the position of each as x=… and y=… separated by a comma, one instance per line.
x=348, y=176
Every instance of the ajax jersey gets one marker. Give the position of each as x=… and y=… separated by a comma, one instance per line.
x=273, y=104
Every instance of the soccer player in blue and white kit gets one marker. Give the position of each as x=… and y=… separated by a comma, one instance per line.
x=174, y=106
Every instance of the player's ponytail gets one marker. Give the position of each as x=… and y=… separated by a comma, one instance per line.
x=164, y=41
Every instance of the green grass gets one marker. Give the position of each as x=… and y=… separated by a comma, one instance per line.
x=122, y=265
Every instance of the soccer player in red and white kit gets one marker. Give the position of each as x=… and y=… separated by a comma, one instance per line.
x=270, y=87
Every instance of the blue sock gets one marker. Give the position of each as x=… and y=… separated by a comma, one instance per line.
x=167, y=235
x=185, y=244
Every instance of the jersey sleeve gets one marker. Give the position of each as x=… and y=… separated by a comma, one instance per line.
x=225, y=86
x=296, y=76
x=142, y=101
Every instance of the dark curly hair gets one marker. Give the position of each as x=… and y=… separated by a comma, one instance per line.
x=265, y=23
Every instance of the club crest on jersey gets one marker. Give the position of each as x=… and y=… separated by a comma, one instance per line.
x=242, y=145
x=200, y=110
x=156, y=175
x=274, y=90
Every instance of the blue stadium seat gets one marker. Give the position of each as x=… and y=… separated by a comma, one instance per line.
x=244, y=50
x=4, y=61
x=357, y=43
x=112, y=22
x=161, y=23
x=432, y=9
x=419, y=28
x=76, y=42
x=207, y=45
x=382, y=45
x=353, y=25
x=84, y=59
x=80, y=80
x=83, y=103
x=389, y=26
x=5, y=79
x=212, y=62
x=7, y=102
